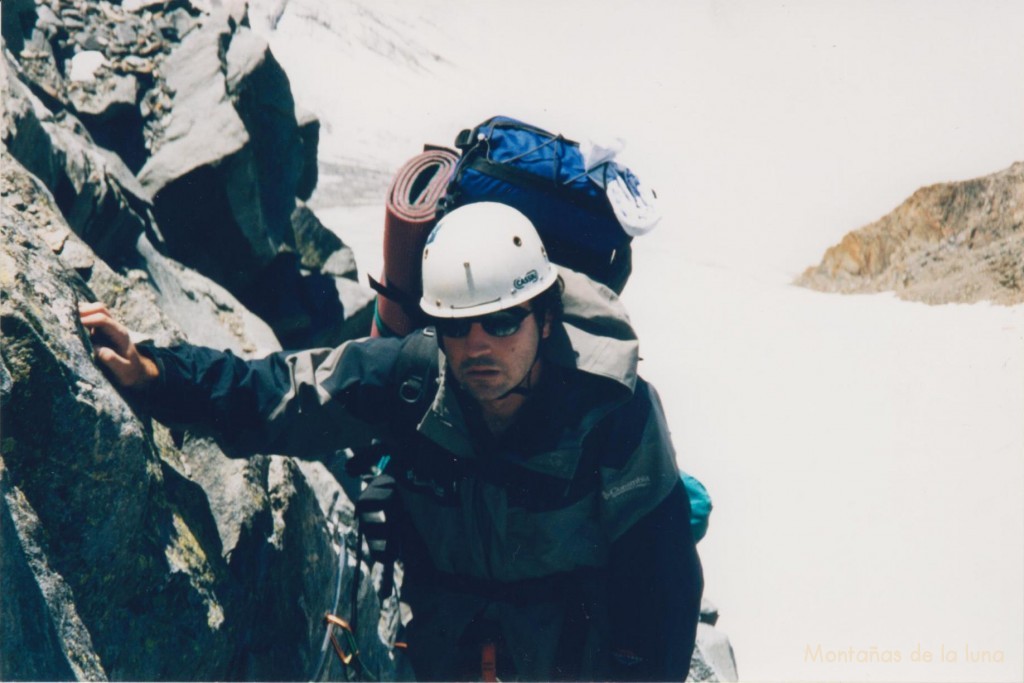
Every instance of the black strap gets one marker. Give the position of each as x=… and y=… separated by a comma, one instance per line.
x=465, y=139
x=438, y=148
x=416, y=369
x=390, y=292
x=410, y=304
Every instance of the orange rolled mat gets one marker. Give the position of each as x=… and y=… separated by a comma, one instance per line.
x=409, y=217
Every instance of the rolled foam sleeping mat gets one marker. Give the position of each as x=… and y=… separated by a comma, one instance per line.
x=409, y=217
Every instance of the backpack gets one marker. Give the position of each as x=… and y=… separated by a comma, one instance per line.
x=586, y=207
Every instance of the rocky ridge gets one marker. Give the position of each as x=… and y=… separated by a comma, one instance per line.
x=139, y=138
x=957, y=242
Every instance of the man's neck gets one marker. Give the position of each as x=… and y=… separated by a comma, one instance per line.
x=499, y=414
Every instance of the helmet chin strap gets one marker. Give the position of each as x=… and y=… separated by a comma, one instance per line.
x=525, y=387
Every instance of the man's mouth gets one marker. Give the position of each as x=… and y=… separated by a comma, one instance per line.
x=480, y=366
x=480, y=370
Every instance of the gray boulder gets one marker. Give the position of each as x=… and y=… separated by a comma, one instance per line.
x=212, y=316
x=330, y=277
x=225, y=173
x=357, y=302
x=24, y=133
x=103, y=98
x=319, y=248
x=108, y=106
x=713, y=658
x=18, y=15
x=38, y=617
x=97, y=194
x=309, y=131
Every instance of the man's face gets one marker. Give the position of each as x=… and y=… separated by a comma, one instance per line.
x=488, y=367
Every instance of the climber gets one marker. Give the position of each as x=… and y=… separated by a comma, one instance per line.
x=537, y=508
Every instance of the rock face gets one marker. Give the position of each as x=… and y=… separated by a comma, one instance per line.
x=949, y=243
x=196, y=104
x=128, y=551
x=127, y=555
x=121, y=538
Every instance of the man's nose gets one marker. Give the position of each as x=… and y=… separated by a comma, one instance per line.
x=478, y=342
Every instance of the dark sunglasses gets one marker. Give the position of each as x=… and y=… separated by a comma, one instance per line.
x=498, y=324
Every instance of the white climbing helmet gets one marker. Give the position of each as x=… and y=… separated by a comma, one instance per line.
x=481, y=258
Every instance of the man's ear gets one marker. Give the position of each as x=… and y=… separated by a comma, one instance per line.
x=545, y=331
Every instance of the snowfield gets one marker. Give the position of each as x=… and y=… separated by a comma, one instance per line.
x=865, y=454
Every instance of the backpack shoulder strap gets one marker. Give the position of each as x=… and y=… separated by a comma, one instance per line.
x=417, y=368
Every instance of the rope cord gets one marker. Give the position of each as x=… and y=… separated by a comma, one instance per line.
x=337, y=601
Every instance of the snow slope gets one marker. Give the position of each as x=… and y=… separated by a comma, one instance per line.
x=866, y=455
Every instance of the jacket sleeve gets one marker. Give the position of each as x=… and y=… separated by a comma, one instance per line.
x=307, y=404
x=655, y=576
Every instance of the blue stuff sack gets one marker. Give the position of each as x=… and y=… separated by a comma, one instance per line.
x=544, y=176
x=700, y=506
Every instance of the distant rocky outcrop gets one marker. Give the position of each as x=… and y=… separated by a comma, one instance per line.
x=948, y=243
x=128, y=551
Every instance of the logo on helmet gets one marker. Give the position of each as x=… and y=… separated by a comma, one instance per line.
x=521, y=282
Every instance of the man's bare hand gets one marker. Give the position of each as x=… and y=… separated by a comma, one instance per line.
x=114, y=348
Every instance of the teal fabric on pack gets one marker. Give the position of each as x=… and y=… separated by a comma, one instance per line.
x=700, y=506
